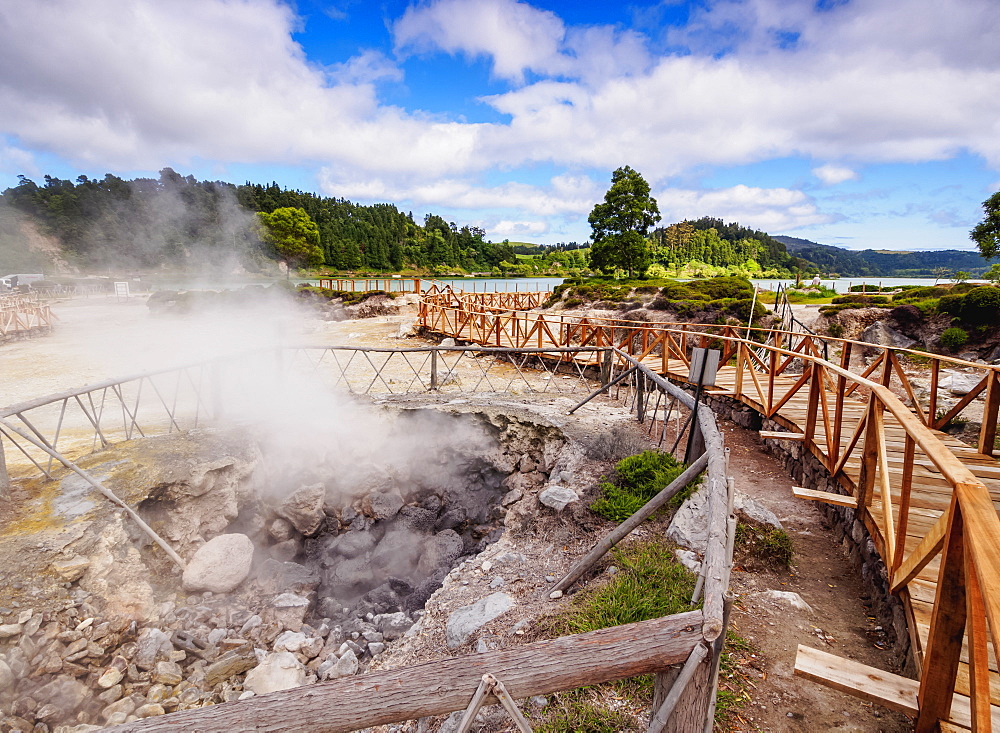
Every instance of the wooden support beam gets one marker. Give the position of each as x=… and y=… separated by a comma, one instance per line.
x=770, y=435
x=884, y=688
x=827, y=497
x=436, y=688
x=944, y=640
x=929, y=546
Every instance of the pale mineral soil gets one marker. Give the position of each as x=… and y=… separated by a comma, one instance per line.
x=100, y=338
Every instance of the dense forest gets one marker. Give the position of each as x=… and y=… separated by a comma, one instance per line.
x=177, y=220
x=713, y=242
x=885, y=263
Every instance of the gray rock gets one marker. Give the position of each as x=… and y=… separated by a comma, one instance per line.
x=689, y=560
x=788, y=597
x=7, y=678
x=558, y=497
x=278, y=671
x=68, y=693
x=376, y=648
x=8, y=630
x=464, y=622
x=689, y=527
x=281, y=529
x=440, y=551
x=151, y=644
x=289, y=641
x=219, y=565
x=753, y=510
x=881, y=334
x=382, y=504
x=346, y=666
x=392, y=625
x=960, y=383
x=448, y=342
x=304, y=509
x=275, y=576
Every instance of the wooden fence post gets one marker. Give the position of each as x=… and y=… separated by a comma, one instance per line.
x=944, y=641
x=4, y=476
x=988, y=433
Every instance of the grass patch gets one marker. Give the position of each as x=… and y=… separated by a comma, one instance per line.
x=734, y=685
x=763, y=545
x=650, y=583
x=638, y=479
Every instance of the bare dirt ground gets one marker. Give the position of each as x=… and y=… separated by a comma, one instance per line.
x=839, y=622
x=100, y=338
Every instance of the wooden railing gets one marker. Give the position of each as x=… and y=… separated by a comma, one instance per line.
x=843, y=420
x=23, y=314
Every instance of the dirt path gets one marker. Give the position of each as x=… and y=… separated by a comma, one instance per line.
x=839, y=622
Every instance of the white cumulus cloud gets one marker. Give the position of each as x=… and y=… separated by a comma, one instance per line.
x=831, y=175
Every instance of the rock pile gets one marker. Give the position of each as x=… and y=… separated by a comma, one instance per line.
x=75, y=670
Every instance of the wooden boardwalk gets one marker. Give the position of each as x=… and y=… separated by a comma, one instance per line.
x=941, y=493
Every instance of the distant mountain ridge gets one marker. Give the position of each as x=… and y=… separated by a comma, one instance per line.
x=884, y=263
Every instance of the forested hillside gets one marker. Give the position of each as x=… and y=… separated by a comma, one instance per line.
x=883, y=263
x=176, y=220
x=713, y=242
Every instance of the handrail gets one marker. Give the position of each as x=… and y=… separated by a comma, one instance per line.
x=967, y=535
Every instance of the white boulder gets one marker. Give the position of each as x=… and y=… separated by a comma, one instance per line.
x=219, y=565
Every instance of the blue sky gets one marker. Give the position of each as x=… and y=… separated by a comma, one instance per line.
x=860, y=123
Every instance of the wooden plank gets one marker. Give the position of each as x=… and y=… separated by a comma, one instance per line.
x=868, y=683
x=857, y=679
x=436, y=688
x=769, y=435
x=827, y=497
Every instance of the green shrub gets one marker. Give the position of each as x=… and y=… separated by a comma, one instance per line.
x=953, y=337
x=835, y=329
x=920, y=293
x=638, y=479
x=951, y=304
x=572, y=302
x=981, y=305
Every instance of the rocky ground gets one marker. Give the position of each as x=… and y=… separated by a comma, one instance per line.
x=107, y=630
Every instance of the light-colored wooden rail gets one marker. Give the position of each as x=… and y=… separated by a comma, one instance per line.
x=927, y=500
x=21, y=315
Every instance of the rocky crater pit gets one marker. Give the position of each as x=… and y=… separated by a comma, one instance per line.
x=302, y=565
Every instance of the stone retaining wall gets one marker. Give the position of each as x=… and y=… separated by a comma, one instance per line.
x=848, y=529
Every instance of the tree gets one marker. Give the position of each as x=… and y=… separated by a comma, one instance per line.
x=993, y=274
x=961, y=276
x=986, y=233
x=620, y=224
x=294, y=235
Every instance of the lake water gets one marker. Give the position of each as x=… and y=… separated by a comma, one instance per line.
x=843, y=284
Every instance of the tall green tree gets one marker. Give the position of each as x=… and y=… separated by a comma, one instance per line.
x=986, y=233
x=620, y=223
x=294, y=235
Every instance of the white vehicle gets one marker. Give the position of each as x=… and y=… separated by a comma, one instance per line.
x=10, y=282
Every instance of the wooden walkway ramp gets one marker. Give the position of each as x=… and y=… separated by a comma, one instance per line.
x=928, y=500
